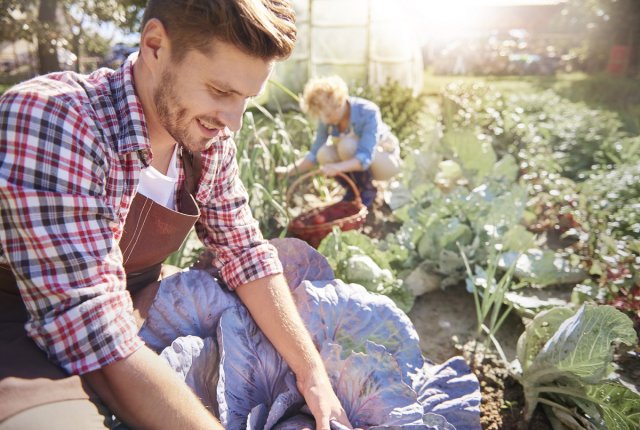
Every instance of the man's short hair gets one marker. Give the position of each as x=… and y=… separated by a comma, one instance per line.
x=260, y=28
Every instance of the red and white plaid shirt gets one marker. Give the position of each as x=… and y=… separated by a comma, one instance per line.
x=71, y=151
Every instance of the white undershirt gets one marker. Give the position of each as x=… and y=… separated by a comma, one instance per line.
x=158, y=187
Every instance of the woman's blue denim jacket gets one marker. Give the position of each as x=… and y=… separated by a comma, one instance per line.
x=365, y=122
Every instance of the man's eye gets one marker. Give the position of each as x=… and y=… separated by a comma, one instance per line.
x=217, y=92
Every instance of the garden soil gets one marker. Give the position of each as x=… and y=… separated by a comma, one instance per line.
x=446, y=322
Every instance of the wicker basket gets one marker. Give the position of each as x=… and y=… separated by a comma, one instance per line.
x=313, y=225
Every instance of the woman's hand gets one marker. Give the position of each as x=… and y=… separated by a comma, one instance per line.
x=282, y=171
x=331, y=169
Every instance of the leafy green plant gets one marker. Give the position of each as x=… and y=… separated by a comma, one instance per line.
x=403, y=110
x=266, y=141
x=489, y=298
x=355, y=258
x=610, y=206
x=566, y=365
x=475, y=214
x=621, y=95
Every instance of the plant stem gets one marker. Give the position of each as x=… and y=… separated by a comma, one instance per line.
x=535, y=376
x=554, y=405
x=495, y=343
x=562, y=390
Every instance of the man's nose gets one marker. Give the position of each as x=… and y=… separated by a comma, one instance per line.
x=232, y=115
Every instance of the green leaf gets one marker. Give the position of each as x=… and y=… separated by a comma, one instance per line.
x=619, y=405
x=476, y=157
x=542, y=267
x=506, y=168
x=538, y=332
x=582, y=347
x=518, y=239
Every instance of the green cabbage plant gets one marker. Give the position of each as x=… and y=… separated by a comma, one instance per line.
x=566, y=361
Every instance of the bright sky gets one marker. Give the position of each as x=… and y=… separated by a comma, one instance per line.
x=435, y=3
x=451, y=17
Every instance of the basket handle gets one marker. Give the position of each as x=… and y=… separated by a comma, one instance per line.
x=299, y=180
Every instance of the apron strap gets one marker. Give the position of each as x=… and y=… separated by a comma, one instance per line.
x=192, y=165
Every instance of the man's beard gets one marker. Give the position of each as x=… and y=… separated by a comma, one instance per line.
x=173, y=116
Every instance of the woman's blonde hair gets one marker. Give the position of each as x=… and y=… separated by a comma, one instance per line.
x=322, y=93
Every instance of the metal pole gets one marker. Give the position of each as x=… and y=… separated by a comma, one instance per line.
x=310, y=43
x=368, y=44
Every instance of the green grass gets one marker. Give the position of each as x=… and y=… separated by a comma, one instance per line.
x=621, y=95
x=434, y=84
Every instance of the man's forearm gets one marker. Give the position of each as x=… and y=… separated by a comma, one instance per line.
x=145, y=393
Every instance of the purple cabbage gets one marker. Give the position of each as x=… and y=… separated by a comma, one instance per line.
x=301, y=262
x=252, y=373
x=369, y=347
x=349, y=315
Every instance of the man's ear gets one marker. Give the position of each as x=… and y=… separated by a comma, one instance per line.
x=154, y=42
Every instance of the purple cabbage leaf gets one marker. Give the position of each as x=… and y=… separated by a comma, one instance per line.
x=251, y=373
x=196, y=361
x=451, y=390
x=348, y=315
x=301, y=262
x=297, y=422
x=187, y=303
x=370, y=388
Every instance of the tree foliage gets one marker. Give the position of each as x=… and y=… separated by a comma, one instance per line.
x=68, y=24
x=605, y=23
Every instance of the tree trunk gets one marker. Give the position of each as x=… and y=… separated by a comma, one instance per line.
x=47, y=53
x=75, y=42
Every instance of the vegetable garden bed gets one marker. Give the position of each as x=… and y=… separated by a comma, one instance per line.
x=520, y=195
x=510, y=205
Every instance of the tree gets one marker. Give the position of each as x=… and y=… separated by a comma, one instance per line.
x=47, y=36
x=64, y=24
x=606, y=23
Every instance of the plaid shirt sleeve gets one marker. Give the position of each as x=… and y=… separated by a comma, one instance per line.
x=58, y=231
x=227, y=226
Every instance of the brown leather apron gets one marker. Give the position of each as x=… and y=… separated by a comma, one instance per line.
x=151, y=233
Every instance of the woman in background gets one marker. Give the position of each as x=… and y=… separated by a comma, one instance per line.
x=349, y=137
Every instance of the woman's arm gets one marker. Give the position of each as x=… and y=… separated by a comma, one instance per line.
x=351, y=165
x=300, y=166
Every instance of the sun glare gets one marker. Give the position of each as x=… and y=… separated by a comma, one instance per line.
x=444, y=19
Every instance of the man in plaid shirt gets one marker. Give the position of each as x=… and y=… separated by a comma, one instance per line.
x=72, y=149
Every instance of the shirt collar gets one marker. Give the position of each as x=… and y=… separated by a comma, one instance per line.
x=133, y=128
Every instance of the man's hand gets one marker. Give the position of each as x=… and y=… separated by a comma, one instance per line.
x=321, y=400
